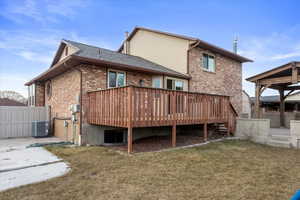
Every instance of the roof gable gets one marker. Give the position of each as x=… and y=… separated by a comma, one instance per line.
x=61, y=50
x=96, y=55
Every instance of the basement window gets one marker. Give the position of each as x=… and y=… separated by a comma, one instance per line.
x=113, y=136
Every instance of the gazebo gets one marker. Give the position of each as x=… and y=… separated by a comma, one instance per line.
x=283, y=78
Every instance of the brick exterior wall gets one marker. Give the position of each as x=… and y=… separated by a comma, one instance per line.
x=133, y=78
x=65, y=92
x=95, y=77
x=39, y=94
x=226, y=80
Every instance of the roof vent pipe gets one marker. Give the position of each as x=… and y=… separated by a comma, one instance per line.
x=235, y=43
x=126, y=43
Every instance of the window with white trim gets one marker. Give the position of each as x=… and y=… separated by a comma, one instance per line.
x=208, y=62
x=157, y=82
x=31, y=95
x=173, y=84
x=116, y=79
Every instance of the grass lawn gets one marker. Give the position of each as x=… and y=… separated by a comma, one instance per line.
x=224, y=170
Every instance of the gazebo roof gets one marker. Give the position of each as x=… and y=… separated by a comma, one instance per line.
x=283, y=75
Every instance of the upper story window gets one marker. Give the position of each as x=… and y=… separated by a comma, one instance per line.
x=31, y=95
x=173, y=84
x=116, y=79
x=209, y=62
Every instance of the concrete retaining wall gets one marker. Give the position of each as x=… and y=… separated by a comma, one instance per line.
x=275, y=118
x=256, y=130
x=295, y=133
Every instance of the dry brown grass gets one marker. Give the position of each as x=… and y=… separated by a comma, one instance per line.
x=224, y=170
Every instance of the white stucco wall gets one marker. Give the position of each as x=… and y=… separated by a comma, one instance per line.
x=166, y=50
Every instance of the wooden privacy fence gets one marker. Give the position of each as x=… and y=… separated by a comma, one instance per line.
x=147, y=107
x=16, y=121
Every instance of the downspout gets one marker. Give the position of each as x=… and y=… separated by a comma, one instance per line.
x=80, y=104
x=188, y=60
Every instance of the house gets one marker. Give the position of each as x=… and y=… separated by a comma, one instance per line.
x=246, y=102
x=155, y=79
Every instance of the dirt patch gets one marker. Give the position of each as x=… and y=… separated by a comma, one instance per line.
x=223, y=170
x=157, y=143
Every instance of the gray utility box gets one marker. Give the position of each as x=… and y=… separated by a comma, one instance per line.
x=40, y=128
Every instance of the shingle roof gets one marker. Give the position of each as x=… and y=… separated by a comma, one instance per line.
x=92, y=52
x=267, y=99
x=273, y=98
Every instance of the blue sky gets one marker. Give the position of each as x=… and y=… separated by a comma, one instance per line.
x=30, y=30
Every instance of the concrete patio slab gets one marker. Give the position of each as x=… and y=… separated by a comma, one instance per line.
x=30, y=175
x=26, y=157
x=20, y=165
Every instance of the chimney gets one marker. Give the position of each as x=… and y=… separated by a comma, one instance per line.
x=126, y=43
x=235, y=43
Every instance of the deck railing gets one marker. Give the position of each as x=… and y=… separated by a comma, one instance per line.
x=146, y=107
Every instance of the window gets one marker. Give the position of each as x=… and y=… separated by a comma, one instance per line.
x=156, y=82
x=209, y=62
x=173, y=84
x=31, y=95
x=116, y=79
x=49, y=89
x=178, y=85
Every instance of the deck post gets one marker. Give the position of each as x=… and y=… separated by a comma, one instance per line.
x=257, y=100
x=205, y=131
x=228, y=129
x=282, y=107
x=129, y=139
x=129, y=122
x=174, y=135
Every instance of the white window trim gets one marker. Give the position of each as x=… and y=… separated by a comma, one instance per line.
x=160, y=78
x=31, y=95
x=215, y=63
x=117, y=71
x=173, y=85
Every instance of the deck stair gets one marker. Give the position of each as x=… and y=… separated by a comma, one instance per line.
x=220, y=128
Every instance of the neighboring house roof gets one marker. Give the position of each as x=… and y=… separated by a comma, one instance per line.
x=267, y=99
x=196, y=41
x=10, y=102
x=275, y=98
x=92, y=54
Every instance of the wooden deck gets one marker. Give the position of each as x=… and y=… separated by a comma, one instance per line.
x=133, y=106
